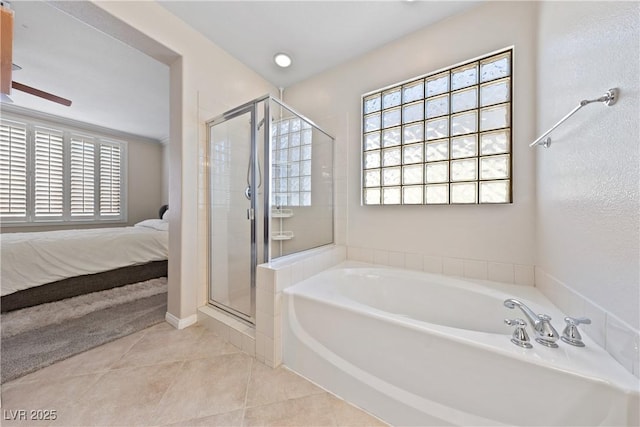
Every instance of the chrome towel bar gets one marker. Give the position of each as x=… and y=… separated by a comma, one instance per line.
x=608, y=99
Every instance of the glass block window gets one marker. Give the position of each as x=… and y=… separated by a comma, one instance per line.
x=443, y=138
x=291, y=154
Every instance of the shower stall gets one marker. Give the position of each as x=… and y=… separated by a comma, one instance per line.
x=270, y=194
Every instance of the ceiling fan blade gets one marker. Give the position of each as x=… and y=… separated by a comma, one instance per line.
x=6, y=48
x=40, y=93
x=7, y=66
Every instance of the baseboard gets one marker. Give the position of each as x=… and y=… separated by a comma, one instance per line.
x=180, y=323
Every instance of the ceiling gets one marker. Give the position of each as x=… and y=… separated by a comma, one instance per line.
x=116, y=86
x=110, y=84
x=318, y=35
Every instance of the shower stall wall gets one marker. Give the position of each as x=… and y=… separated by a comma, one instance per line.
x=270, y=178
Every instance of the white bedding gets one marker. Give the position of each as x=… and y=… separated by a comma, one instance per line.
x=33, y=259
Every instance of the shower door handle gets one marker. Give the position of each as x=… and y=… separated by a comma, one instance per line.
x=250, y=214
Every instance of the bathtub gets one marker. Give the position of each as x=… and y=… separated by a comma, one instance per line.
x=420, y=349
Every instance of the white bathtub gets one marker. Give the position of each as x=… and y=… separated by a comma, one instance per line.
x=421, y=349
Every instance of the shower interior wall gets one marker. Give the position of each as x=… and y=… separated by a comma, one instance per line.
x=547, y=228
x=312, y=225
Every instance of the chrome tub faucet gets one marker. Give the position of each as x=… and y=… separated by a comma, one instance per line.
x=519, y=337
x=571, y=335
x=544, y=332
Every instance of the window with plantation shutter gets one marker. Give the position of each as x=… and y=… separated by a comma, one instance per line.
x=49, y=173
x=82, y=177
x=13, y=170
x=110, y=179
x=53, y=174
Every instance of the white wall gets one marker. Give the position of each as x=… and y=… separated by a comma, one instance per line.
x=205, y=81
x=588, y=212
x=503, y=233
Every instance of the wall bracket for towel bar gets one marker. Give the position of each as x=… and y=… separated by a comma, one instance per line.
x=607, y=99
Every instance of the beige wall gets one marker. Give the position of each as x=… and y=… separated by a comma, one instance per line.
x=165, y=172
x=144, y=178
x=588, y=216
x=503, y=233
x=205, y=82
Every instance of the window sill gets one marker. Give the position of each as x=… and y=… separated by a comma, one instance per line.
x=61, y=224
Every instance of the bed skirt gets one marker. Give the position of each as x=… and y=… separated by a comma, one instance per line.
x=81, y=285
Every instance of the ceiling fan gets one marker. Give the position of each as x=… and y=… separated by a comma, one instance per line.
x=7, y=66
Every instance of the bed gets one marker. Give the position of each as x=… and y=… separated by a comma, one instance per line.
x=41, y=267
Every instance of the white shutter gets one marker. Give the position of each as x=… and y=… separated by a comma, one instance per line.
x=110, y=180
x=13, y=170
x=82, y=177
x=49, y=173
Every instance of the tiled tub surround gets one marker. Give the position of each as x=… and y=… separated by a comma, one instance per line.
x=615, y=336
x=272, y=279
x=264, y=341
x=364, y=332
x=618, y=338
x=519, y=274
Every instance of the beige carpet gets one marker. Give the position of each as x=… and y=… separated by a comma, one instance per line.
x=35, y=337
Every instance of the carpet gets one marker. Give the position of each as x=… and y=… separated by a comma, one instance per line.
x=35, y=337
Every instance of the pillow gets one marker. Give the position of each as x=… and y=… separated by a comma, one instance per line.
x=156, y=224
x=162, y=210
x=165, y=215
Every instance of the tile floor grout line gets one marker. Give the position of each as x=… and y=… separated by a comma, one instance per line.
x=99, y=377
x=246, y=392
x=150, y=364
x=145, y=332
x=330, y=393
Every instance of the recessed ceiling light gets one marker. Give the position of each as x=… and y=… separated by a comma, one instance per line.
x=282, y=59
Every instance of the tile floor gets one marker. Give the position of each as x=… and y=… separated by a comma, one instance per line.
x=167, y=377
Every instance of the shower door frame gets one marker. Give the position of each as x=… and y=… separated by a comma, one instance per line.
x=252, y=106
x=249, y=107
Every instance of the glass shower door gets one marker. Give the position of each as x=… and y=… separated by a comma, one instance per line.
x=232, y=222
x=271, y=190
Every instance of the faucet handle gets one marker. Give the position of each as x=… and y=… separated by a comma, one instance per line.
x=518, y=322
x=520, y=337
x=571, y=335
x=547, y=334
x=577, y=320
